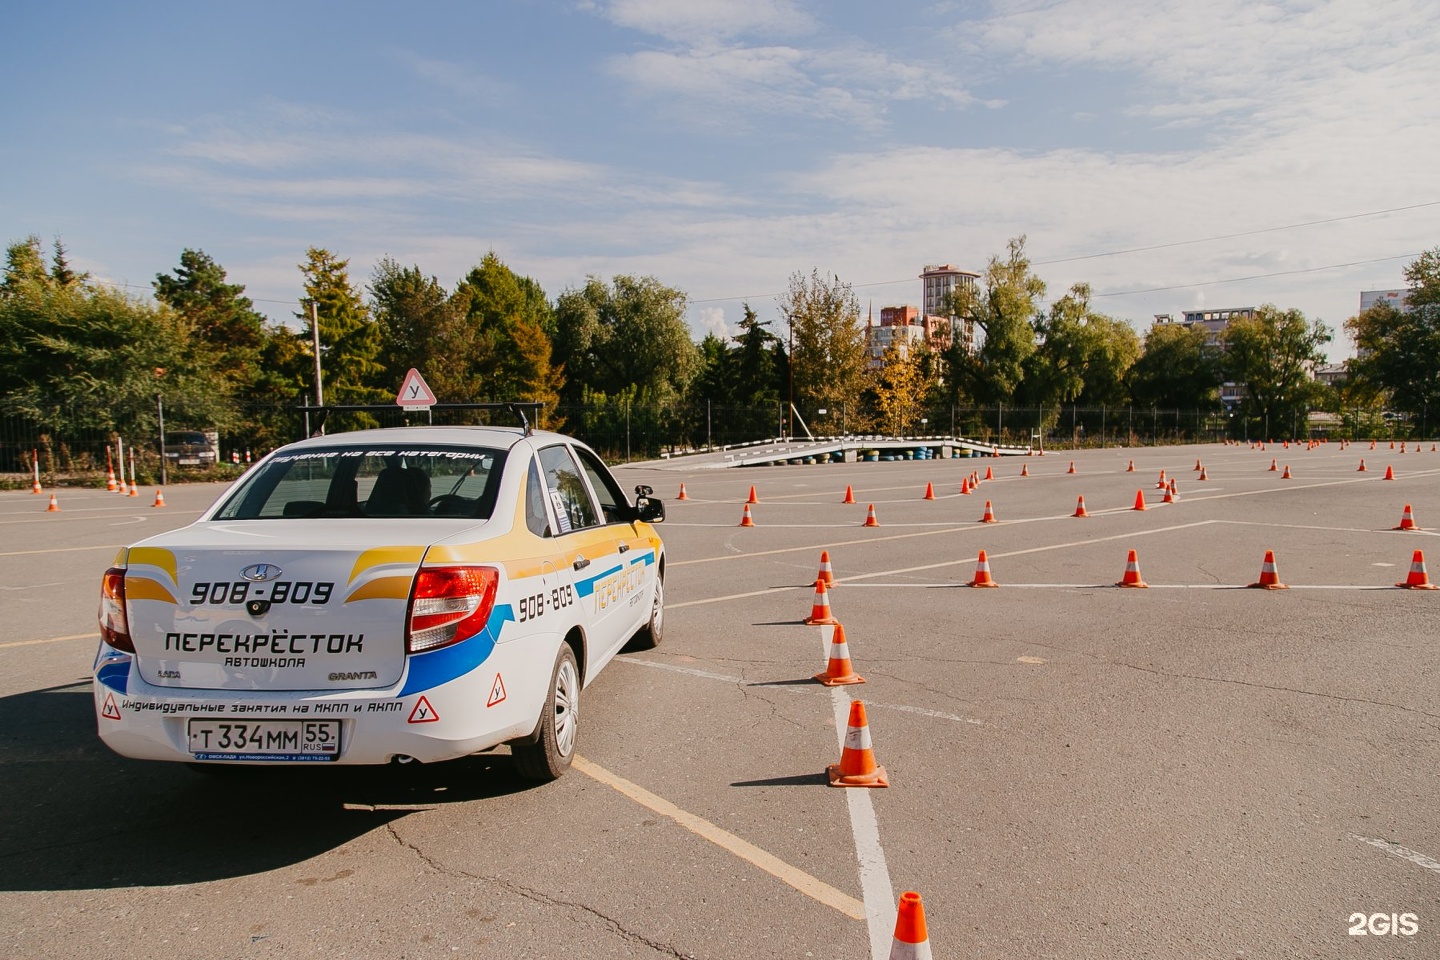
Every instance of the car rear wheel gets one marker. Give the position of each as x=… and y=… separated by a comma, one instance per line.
x=550, y=755
x=649, y=636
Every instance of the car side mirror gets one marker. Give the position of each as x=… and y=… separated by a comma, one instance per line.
x=649, y=510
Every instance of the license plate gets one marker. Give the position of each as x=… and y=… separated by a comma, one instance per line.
x=189, y=461
x=221, y=739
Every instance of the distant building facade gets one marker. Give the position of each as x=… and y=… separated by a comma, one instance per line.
x=938, y=283
x=1399, y=299
x=903, y=326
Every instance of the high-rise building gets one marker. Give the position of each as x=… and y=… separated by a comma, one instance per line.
x=938, y=283
x=1399, y=299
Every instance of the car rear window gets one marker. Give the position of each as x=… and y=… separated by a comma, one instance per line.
x=371, y=481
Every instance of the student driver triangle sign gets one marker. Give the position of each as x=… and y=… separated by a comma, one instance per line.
x=110, y=711
x=415, y=392
x=423, y=712
x=497, y=692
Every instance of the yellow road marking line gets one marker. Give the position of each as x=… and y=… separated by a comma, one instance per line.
x=813, y=888
x=31, y=643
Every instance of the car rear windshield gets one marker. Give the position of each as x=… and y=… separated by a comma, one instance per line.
x=372, y=481
x=177, y=437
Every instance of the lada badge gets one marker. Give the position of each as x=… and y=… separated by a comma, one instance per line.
x=260, y=572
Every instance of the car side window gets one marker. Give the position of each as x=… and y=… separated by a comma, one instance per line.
x=612, y=501
x=537, y=518
x=568, y=494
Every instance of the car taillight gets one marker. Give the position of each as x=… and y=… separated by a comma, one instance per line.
x=114, y=626
x=449, y=604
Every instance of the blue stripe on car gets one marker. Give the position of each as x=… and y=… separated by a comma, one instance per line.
x=441, y=666
x=115, y=675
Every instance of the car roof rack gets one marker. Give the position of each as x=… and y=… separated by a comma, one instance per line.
x=517, y=407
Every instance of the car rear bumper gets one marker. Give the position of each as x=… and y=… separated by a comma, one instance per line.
x=499, y=700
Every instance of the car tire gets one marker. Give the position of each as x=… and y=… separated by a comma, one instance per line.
x=649, y=636
x=549, y=756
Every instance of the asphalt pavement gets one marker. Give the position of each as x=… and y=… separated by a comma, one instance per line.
x=1196, y=769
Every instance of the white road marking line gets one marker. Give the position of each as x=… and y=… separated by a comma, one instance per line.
x=737, y=681
x=1152, y=586
x=1404, y=853
x=31, y=643
x=31, y=553
x=875, y=885
x=812, y=887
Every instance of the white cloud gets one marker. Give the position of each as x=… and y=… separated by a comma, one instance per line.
x=692, y=21
x=711, y=320
x=458, y=78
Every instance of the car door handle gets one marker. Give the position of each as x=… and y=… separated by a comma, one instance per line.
x=580, y=563
x=624, y=547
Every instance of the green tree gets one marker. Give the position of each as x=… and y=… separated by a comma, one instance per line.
x=754, y=376
x=1004, y=305
x=828, y=355
x=1274, y=354
x=81, y=356
x=222, y=321
x=508, y=317
x=1083, y=357
x=423, y=327
x=899, y=388
x=1398, y=352
x=628, y=337
x=1177, y=370
x=349, y=338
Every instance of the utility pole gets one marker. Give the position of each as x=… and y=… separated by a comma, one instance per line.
x=160, y=413
x=315, y=339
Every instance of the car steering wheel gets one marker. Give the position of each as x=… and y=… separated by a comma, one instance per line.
x=450, y=505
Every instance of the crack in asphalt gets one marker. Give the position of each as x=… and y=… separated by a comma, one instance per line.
x=1275, y=687
x=540, y=897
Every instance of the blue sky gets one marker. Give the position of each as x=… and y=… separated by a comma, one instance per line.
x=722, y=146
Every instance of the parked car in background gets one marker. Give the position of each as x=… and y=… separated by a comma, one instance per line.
x=191, y=448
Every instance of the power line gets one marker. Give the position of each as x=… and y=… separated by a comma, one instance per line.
x=1258, y=276
x=1160, y=246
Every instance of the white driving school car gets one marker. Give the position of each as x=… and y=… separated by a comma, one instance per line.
x=417, y=593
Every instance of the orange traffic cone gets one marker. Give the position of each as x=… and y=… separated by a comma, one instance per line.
x=1372, y=444
x=989, y=474
x=110, y=484
x=965, y=486
x=870, y=520
x=849, y=495
x=982, y=572
x=838, y=669
x=1161, y=484
x=929, y=491
x=681, y=495
x=1072, y=467
x=1203, y=475
x=1269, y=578
x=1273, y=467
x=753, y=498
x=1139, y=500
x=912, y=940
x=826, y=574
x=989, y=516
x=1080, y=507
x=1132, y=572
x=1169, y=493
x=1418, y=579
x=1392, y=444
x=1024, y=469
x=54, y=505
x=745, y=519
x=35, y=487
x=1407, y=520
x=1198, y=467
x=1389, y=472
x=1362, y=466
x=159, y=499
x=857, y=767
x=820, y=609
x=134, y=490
x=1131, y=468
x=1286, y=474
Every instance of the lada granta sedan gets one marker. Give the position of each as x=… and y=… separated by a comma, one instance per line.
x=420, y=593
